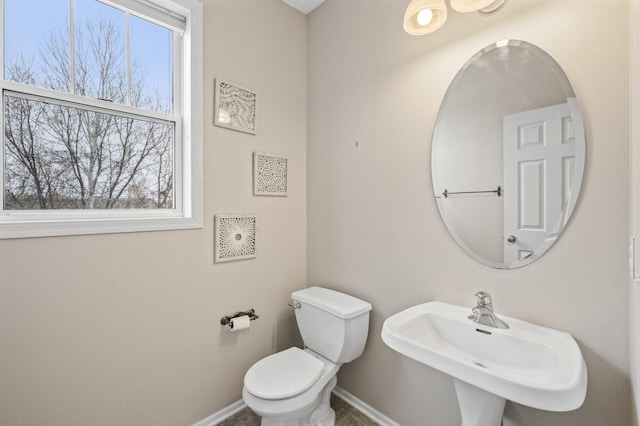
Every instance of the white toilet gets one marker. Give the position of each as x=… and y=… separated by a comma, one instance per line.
x=293, y=387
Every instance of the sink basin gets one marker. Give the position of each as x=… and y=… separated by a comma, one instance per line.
x=528, y=364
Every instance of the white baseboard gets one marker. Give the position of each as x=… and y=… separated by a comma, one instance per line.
x=364, y=408
x=223, y=414
x=356, y=403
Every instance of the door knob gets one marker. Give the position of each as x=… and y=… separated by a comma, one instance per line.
x=511, y=239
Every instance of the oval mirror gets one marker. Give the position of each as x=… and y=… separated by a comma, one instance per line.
x=508, y=154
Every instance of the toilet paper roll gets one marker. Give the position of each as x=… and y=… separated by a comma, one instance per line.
x=240, y=323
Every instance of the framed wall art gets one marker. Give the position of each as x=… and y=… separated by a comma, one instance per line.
x=235, y=107
x=235, y=237
x=269, y=174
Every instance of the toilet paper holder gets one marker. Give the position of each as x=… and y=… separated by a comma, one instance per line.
x=251, y=313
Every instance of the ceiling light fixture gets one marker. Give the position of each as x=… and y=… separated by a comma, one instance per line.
x=426, y=16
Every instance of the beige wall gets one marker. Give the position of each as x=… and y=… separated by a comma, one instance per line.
x=634, y=291
x=373, y=227
x=124, y=329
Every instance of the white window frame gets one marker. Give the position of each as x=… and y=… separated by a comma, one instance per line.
x=188, y=201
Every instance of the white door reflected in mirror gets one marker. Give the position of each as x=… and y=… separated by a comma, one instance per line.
x=540, y=153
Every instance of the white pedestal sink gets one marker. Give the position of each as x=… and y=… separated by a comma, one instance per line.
x=528, y=364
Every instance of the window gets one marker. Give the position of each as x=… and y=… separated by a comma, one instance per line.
x=102, y=116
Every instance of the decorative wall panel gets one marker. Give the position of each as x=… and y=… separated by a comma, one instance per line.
x=235, y=107
x=235, y=237
x=269, y=174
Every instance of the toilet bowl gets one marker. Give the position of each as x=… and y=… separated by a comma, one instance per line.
x=286, y=389
x=293, y=387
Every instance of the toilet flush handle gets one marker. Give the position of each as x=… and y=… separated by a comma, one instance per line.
x=295, y=305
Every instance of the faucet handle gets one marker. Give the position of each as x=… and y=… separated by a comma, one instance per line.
x=483, y=299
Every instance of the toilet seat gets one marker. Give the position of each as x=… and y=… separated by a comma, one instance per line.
x=283, y=375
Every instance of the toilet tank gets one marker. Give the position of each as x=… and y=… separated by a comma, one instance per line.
x=332, y=324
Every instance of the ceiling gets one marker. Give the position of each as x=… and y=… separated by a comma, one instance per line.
x=304, y=6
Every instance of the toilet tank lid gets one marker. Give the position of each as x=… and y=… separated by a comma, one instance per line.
x=336, y=303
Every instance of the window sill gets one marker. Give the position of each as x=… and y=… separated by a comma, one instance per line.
x=54, y=228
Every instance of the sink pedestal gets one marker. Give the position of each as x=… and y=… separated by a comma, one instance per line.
x=478, y=407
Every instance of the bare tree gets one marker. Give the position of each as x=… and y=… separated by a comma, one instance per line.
x=63, y=156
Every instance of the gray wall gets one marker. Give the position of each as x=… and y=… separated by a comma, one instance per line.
x=373, y=227
x=124, y=329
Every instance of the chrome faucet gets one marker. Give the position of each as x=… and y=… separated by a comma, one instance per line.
x=483, y=314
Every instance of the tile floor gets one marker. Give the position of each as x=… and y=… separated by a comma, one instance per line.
x=346, y=415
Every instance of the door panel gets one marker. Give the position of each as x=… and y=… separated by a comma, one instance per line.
x=539, y=157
